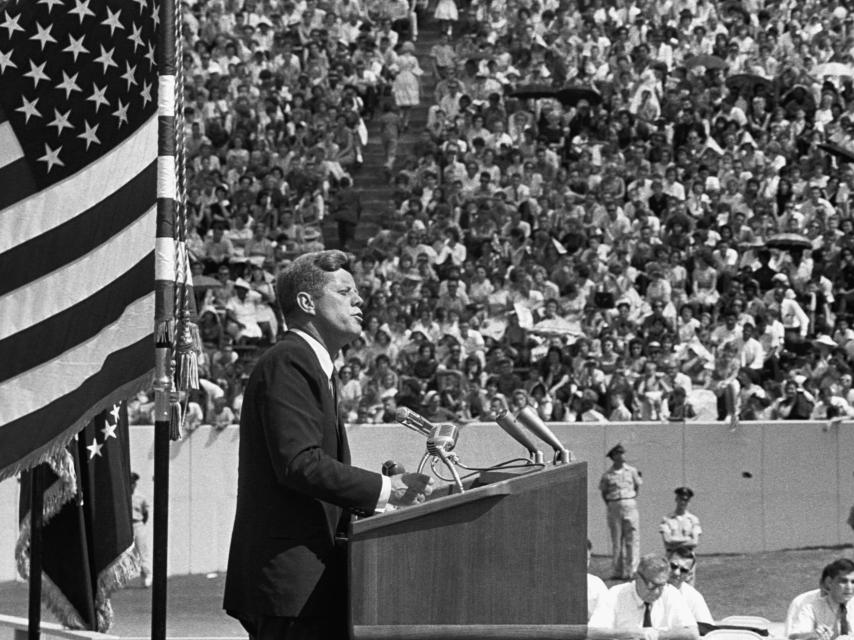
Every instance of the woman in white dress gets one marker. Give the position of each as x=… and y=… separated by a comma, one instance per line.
x=407, y=85
x=446, y=13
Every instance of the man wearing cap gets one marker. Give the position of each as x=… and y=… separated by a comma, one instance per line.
x=648, y=607
x=619, y=486
x=681, y=529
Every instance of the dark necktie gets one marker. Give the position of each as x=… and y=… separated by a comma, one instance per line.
x=333, y=390
x=844, y=628
x=647, y=617
x=339, y=429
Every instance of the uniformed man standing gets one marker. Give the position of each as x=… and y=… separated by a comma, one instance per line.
x=681, y=529
x=619, y=487
x=140, y=529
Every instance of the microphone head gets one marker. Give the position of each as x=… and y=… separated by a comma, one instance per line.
x=528, y=417
x=509, y=424
x=392, y=468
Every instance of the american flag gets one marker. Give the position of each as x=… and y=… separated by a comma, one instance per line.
x=78, y=149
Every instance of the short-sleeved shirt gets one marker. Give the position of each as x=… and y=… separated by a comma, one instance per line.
x=818, y=610
x=620, y=484
x=139, y=506
x=622, y=608
x=684, y=526
x=595, y=590
x=696, y=603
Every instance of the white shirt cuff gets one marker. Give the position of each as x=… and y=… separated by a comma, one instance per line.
x=385, y=494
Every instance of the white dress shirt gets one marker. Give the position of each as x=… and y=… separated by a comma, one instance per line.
x=622, y=608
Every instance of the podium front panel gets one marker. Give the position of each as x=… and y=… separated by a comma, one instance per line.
x=512, y=552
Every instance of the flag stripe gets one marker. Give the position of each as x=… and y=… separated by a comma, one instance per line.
x=123, y=373
x=18, y=183
x=63, y=288
x=10, y=149
x=44, y=384
x=57, y=204
x=90, y=229
x=52, y=337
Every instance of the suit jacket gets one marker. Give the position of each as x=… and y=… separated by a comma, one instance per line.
x=295, y=491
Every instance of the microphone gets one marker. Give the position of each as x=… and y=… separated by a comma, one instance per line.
x=392, y=468
x=442, y=438
x=529, y=419
x=506, y=421
x=412, y=420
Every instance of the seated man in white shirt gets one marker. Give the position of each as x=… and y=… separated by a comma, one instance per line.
x=595, y=587
x=682, y=561
x=826, y=615
x=798, y=601
x=648, y=607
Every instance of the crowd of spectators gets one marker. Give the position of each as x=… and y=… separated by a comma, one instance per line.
x=607, y=254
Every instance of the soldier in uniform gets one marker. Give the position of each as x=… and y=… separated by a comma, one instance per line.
x=619, y=487
x=681, y=529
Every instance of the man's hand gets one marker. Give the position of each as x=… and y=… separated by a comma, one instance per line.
x=410, y=488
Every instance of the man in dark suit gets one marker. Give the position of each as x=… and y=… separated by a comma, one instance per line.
x=296, y=489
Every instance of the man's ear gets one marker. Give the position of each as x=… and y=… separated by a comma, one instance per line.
x=306, y=303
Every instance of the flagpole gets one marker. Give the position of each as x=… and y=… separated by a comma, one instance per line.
x=164, y=309
x=36, y=521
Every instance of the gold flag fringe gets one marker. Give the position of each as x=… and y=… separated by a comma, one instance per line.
x=115, y=576
x=48, y=451
x=121, y=571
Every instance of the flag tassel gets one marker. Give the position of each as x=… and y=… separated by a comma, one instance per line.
x=188, y=359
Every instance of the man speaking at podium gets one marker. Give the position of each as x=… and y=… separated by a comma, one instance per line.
x=296, y=489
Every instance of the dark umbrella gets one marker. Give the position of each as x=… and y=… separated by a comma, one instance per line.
x=709, y=62
x=572, y=95
x=206, y=282
x=750, y=84
x=845, y=155
x=798, y=96
x=788, y=241
x=534, y=91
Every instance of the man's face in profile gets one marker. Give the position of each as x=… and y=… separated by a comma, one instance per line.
x=338, y=315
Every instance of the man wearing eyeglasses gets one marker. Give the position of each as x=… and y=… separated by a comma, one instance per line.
x=826, y=615
x=647, y=608
x=682, y=561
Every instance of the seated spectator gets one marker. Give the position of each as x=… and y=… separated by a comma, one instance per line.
x=825, y=614
x=682, y=564
x=648, y=601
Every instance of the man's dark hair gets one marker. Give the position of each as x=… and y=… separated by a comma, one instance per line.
x=838, y=567
x=307, y=273
x=682, y=552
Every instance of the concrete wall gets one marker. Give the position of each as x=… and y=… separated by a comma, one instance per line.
x=762, y=487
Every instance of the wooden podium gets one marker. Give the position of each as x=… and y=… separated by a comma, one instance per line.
x=503, y=560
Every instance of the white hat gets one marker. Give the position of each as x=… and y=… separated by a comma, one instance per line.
x=825, y=340
x=240, y=282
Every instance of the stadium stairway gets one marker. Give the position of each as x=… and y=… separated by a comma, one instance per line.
x=370, y=179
